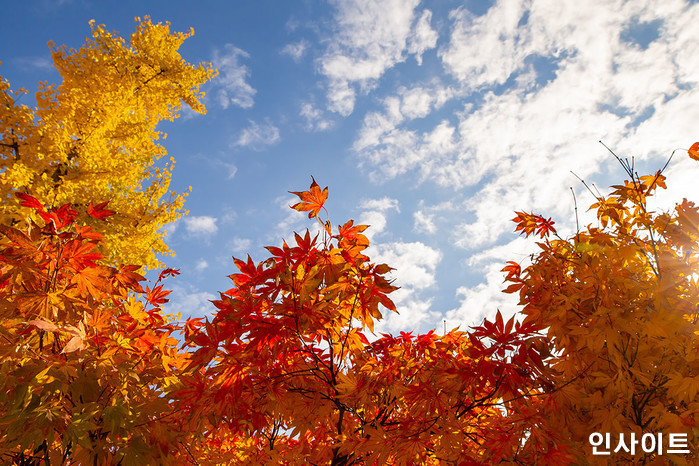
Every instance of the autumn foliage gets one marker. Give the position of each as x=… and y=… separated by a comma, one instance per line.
x=94, y=138
x=620, y=302
x=87, y=356
x=288, y=369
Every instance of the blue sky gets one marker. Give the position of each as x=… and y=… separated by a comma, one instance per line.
x=432, y=121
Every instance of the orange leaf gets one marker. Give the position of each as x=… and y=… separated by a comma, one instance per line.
x=43, y=325
x=513, y=270
x=17, y=237
x=73, y=344
x=312, y=200
x=694, y=151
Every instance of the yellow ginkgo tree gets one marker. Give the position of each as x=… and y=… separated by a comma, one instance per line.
x=94, y=137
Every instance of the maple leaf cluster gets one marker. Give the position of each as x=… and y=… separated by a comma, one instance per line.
x=86, y=365
x=287, y=363
x=620, y=302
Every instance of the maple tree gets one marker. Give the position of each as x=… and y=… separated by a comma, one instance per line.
x=620, y=302
x=286, y=371
x=87, y=357
x=94, y=136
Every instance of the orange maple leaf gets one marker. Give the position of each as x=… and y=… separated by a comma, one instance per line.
x=312, y=200
x=694, y=151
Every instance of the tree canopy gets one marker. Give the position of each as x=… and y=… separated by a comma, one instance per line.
x=94, y=136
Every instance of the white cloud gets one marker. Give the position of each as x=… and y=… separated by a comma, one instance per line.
x=412, y=313
x=315, y=121
x=43, y=63
x=257, y=136
x=170, y=228
x=201, y=265
x=542, y=127
x=200, y=225
x=415, y=266
x=419, y=101
x=488, y=48
x=341, y=97
x=189, y=301
x=231, y=83
x=222, y=166
x=371, y=37
x=517, y=250
x=239, y=246
x=415, y=263
x=380, y=130
x=424, y=222
x=383, y=204
x=423, y=37
x=374, y=214
x=482, y=300
x=537, y=83
x=376, y=221
x=229, y=215
x=232, y=170
x=296, y=50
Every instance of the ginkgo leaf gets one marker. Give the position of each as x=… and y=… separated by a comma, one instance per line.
x=75, y=152
x=87, y=382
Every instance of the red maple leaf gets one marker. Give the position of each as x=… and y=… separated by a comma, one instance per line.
x=98, y=211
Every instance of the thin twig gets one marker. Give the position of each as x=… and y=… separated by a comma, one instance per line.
x=585, y=184
x=575, y=204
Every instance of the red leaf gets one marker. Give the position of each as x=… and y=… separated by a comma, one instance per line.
x=60, y=217
x=99, y=211
x=157, y=295
x=29, y=201
x=544, y=226
x=129, y=278
x=168, y=273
